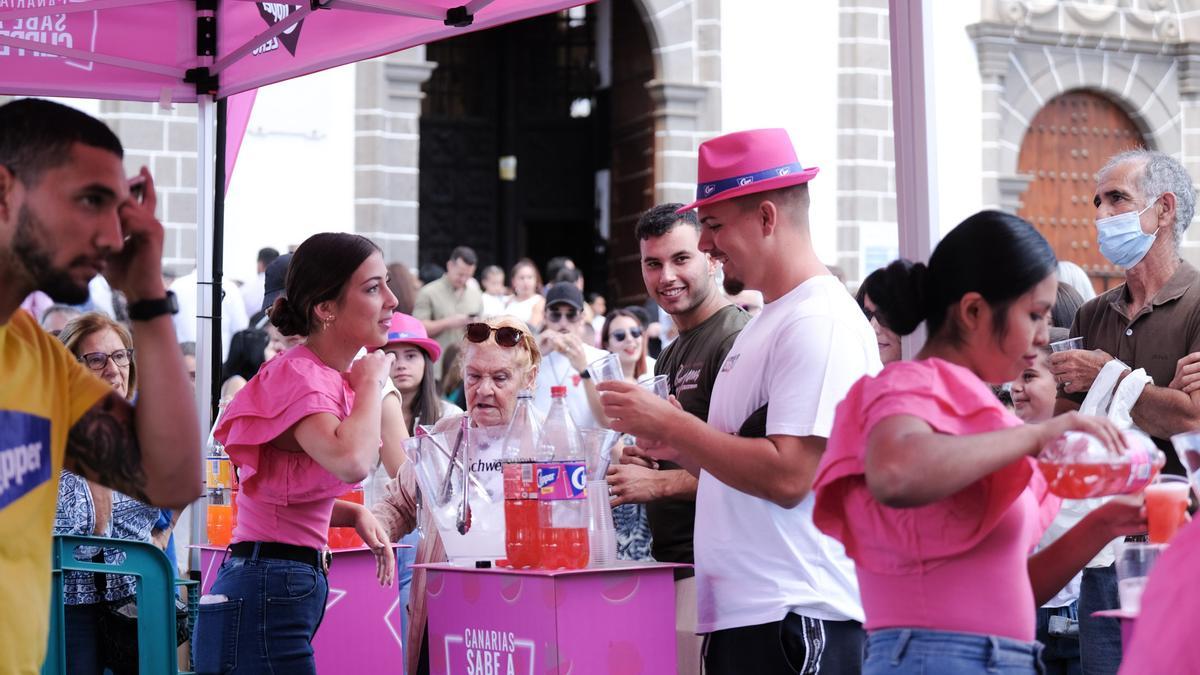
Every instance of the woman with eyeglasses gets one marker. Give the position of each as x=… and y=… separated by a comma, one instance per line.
x=500, y=358
x=880, y=296
x=89, y=509
x=623, y=335
x=304, y=430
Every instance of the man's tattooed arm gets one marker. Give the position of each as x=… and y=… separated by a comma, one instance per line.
x=103, y=447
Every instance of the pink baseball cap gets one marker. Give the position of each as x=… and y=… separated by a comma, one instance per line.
x=746, y=162
x=409, y=330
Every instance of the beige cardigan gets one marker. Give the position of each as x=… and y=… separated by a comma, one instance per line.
x=396, y=511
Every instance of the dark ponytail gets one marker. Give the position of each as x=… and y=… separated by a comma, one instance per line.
x=996, y=254
x=898, y=293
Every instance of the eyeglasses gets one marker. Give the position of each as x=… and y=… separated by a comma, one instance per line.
x=97, y=360
x=505, y=335
x=619, y=335
x=555, y=315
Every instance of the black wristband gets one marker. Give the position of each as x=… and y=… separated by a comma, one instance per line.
x=145, y=310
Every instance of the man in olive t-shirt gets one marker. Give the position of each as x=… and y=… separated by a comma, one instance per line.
x=682, y=280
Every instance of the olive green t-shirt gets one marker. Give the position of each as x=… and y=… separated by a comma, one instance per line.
x=692, y=362
x=1163, y=332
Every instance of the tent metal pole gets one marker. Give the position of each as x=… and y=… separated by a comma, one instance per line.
x=207, y=349
x=912, y=118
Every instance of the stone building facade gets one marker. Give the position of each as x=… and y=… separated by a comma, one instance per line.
x=1142, y=55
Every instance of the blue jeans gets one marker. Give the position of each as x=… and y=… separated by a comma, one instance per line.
x=916, y=651
x=1099, y=639
x=267, y=621
x=405, y=557
x=82, y=632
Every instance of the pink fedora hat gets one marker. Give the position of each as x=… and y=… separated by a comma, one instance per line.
x=746, y=162
x=409, y=330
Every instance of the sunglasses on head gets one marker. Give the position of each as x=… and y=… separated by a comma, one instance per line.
x=619, y=335
x=557, y=315
x=505, y=336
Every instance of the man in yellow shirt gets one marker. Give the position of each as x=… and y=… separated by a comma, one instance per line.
x=67, y=213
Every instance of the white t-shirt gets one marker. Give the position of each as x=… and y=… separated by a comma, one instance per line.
x=756, y=561
x=556, y=369
x=493, y=305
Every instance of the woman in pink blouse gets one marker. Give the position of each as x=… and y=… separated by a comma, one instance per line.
x=928, y=480
x=301, y=431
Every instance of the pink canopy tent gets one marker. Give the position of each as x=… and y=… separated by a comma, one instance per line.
x=182, y=50
x=205, y=51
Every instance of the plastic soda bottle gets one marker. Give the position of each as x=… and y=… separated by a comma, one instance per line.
x=1078, y=466
x=522, y=532
x=562, y=484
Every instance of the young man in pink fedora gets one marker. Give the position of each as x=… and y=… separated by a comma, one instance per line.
x=774, y=594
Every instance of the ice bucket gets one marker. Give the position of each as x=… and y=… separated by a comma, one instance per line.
x=439, y=461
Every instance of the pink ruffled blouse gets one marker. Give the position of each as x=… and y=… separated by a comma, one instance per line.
x=958, y=564
x=284, y=497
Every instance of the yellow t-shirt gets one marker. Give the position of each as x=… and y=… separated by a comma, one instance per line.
x=43, y=391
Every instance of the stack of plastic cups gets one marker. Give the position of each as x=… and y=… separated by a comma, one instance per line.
x=602, y=532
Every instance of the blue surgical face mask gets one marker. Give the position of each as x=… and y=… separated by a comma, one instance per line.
x=1122, y=240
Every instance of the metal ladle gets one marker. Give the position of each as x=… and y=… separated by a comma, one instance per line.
x=463, y=522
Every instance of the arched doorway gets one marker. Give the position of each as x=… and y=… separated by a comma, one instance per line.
x=537, y=140
x=1066, y=144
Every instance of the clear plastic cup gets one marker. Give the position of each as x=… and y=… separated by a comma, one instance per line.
x=1187, y=446
x=602, y=531
x=659, y=384
x=1135, y=560
x=1066, y=345
x=606, y=369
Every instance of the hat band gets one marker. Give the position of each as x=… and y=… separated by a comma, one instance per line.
x=716, y=187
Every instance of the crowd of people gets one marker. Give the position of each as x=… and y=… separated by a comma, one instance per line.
x=840, y=503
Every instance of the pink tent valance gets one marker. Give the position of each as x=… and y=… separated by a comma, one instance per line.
x=168, y=50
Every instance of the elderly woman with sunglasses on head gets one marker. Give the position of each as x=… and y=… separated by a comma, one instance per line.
x=90, y=509
x=500, y=358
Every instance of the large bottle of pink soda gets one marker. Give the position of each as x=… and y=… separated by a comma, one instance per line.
x=562, y=483
x=522, y=537
x=1078, y=465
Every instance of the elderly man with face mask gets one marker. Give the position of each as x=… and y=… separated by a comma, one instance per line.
x=1144, y=203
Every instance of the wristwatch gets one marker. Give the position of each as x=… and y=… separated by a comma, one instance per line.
x=585, y=375
x=144, y=310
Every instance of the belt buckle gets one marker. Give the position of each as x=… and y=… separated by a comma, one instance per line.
x=326, y=558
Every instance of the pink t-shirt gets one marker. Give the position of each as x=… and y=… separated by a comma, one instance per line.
x=958, y=564
x=284, y=496
x=1164, y=637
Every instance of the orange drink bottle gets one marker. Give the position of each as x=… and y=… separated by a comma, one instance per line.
x=219, y=518
x=1166, y=507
